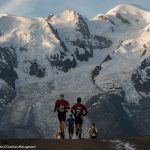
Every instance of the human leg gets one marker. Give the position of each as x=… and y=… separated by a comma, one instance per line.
x=62, y=118
x=80, y=126
x=80, y=130
x=62, y=126
x=77, y=125
x=71, y=131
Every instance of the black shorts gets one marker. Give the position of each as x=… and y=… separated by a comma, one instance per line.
x=61, y=116
x=71, y=129
x=78, y=120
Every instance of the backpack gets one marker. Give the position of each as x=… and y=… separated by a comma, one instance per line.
x=93, y=132
x=58, y=135
x=70, y=121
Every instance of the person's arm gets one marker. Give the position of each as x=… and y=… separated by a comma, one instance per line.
x=67, y=123
x=55, y=108
x=56, y=135
x=67, y=105
x=85, y=113
x=96, y=130
x=89, y=130
x=72, y=110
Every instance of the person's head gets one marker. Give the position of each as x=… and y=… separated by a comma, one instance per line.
x=93, y=124
x=71, y=115
x=62, y=96
x=79, y=99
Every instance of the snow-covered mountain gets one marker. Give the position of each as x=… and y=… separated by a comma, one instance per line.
x=104, y=60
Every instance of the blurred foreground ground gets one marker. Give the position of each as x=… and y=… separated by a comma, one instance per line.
x=133, y=143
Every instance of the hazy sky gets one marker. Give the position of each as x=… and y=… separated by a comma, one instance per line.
x=42, y=8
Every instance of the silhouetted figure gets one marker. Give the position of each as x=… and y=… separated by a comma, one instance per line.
x=70, y=124
x=58, y=134
x=93, y=132
x=79, y=111
x=61, y=106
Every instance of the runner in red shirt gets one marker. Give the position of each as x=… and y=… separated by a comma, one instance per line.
x=61, y=106
x=79, y=110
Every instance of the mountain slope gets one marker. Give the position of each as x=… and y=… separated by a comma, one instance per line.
x=119, y=78
x=104, y=60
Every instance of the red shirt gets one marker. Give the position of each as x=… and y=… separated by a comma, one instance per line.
x=61, y=105
x=79, y=109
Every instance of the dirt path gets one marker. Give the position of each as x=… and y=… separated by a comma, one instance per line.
x=59, y=144
x=134, y=143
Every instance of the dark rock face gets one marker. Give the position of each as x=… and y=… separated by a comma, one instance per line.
x=97, y=69
x=60, y=62
x=82, y=45
x=49, y=17
x=112, y=22
x=36, y=70
x=24, y=120
x=86, y=43
x=139, y=114
x=28, y=130
x=83, y=27
x=102, y=17
x=107, y=112
x=101, y=42
x=8, y=61
x=7, y=94
x=8, y=54
x=82, y=41
x=141, y=77
x=7, y=74
x=108, y=58
x=86, y=46
x=54, y=31
x=145, y=63
x=24, y=129
x=63, y=60
x=95, y=72
x=123, y=20
x=144, y=52
x=115, y=117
